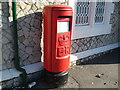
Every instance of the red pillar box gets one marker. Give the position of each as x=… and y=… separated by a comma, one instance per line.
x=57, y=40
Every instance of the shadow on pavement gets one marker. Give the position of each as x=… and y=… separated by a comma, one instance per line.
x=83, y=77
x=109, y=58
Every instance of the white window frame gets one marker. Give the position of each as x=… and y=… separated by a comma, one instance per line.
x=92, y=29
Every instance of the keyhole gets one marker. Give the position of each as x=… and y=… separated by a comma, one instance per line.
x=63, y=37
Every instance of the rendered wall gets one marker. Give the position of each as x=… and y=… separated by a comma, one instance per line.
x=82, y=44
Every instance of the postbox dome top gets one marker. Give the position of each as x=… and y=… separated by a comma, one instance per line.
x=59, y=7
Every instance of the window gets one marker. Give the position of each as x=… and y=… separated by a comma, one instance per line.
x=90, y=18
x=99, y=12
x=82, y=13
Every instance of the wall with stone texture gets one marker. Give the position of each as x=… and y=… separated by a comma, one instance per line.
x=13, y=83
x=30, y=35
x=7, y=47
x=83, y=44
x=30, y=32
x=0, y=39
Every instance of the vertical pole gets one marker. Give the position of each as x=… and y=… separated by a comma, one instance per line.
x=16, y=52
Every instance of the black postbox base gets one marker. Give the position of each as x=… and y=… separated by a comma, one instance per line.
x=56, y=79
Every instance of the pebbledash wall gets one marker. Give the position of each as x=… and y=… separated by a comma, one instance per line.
x=30, y=34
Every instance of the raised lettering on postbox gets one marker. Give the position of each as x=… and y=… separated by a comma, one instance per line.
x=63, y=46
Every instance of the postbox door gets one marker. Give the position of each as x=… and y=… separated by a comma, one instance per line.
x=62, y=37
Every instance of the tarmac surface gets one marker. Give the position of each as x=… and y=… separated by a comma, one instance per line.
x=101, y=72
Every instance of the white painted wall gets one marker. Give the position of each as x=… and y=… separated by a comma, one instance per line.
x=92, y=29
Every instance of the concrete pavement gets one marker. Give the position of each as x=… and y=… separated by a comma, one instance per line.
x=96, y=76
x=101, y=72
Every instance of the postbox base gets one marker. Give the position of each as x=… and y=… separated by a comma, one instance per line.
x=56, y=79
